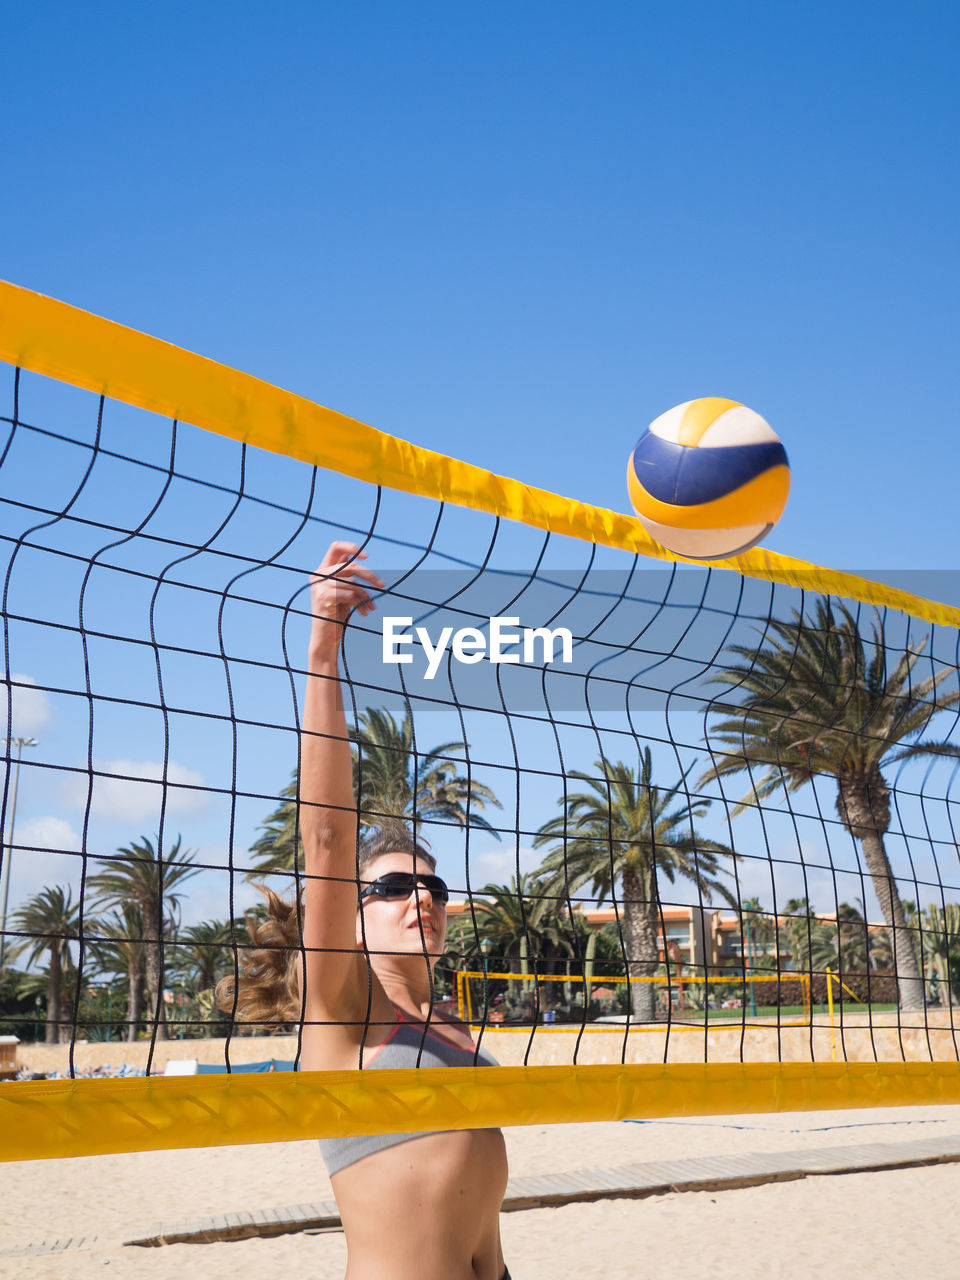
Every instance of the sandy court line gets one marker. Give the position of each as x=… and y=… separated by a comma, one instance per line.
x=821, y=1224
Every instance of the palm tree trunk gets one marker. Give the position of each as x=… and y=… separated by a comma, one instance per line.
x=134, y=998
x=588, y=967
x=68, y=1009
x=640, y=921
x=53, y=994
x=909, y=980
x=863, y=803
x=526, y=986
x=154, y=987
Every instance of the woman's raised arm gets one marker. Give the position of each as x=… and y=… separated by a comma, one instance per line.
x=337, y=983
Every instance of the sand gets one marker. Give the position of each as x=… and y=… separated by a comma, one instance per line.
x=888, y=1224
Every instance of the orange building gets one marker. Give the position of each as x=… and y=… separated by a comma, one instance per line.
x=687, y=932
x=705, y=940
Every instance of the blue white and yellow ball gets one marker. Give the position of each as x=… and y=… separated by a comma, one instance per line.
x=709, y=478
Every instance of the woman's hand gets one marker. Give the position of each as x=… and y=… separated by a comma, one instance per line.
x=336, y=589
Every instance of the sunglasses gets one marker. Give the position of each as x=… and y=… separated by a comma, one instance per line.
x=400, y=884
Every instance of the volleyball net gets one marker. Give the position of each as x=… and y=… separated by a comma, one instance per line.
x=697, y=823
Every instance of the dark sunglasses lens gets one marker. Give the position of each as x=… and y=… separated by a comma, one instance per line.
x=438, y=888
x=399, y=884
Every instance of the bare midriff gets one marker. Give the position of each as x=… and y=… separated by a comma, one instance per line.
x=427, y=1209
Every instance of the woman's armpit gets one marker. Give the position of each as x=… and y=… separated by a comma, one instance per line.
x=341, y=988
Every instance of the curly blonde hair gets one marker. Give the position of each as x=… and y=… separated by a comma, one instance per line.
x=265, y=988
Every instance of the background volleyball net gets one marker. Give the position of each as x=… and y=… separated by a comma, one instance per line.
x=707, y=864
x=684, y=993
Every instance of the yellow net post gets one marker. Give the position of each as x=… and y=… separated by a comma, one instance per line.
x=833, y=1037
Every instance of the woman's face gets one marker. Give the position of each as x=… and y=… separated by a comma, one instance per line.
x=403, y=925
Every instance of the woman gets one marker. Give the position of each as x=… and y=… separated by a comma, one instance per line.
x=413, y=1206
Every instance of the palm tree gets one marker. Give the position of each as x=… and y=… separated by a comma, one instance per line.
x=816, y=941
x=509, y=914
x=119, y=948
x=279, y=847
x=942, y=940
x=627, y=829
x=203, y=951
x=523, y=924
x=51, y=919
x=761, y=929
x=141, y=876
x=798, y=924
x=810, y=703
x=392, y=782
x=842, y=945
x=513, y=928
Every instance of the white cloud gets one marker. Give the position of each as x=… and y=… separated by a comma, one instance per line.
x=130, y=790
x=44, y=853
x=208, y=896
x=497, y=866
x=46, y=833
x=31, y=707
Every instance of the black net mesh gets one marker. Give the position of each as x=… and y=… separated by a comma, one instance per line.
x=718, y=825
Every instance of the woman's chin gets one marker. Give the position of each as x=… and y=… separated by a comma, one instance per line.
x=429, y=942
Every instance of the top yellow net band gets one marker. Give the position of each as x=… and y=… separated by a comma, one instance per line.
x=49, y=337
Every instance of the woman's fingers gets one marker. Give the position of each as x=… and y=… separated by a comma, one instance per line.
x=343, y=551
x=349, y=570
x=337, y=593
x=340, y=584
x=338, y=581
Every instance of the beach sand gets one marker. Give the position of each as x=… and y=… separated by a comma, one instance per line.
x=887, y=1224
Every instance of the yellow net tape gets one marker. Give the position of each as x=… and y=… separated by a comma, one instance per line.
x=59, y=341
x=57, y=1118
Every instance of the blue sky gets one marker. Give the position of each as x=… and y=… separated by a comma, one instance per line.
x=516, y=234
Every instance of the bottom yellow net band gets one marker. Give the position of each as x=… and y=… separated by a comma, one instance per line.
x=57, y=1118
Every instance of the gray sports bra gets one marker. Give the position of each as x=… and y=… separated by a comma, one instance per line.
x=406, y=1046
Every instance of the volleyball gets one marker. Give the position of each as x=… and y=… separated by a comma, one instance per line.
x=709, y=478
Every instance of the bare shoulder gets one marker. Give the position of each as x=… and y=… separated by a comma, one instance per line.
x=443, y=1018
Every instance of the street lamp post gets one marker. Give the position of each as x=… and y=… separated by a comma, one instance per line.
x=19, y=743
